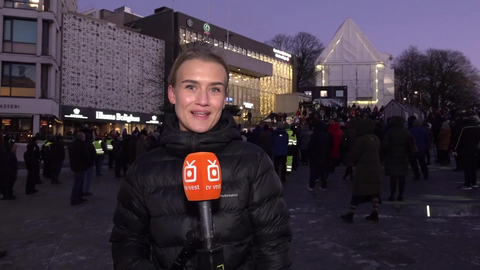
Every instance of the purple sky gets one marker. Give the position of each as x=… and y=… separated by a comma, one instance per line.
x=390, y=25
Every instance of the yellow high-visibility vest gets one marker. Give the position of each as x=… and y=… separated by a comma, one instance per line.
x=98, y=147
x=109, y=145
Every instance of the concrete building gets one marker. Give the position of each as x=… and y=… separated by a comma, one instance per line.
x=351, y=60
x=30, y=57
x=258, y=71
x=112, y=76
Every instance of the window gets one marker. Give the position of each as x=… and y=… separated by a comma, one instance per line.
x=25, y=4
x=323, y=93
x=45, y=38
x=339, y=93
x=44, y=82
x=18, y=80
x=20, y=36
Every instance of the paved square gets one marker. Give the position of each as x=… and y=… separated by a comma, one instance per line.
x=44, y=232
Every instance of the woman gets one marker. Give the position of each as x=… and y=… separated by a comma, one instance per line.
x=443, y=140
x=367, y=185
x=396, y=146
x=349, y=138
x=337, y=134
x=153, y=215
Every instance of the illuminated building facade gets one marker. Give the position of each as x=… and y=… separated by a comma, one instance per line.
x=350, y=60
x=257, y=71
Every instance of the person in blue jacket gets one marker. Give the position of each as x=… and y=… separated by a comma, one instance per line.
x=280, y=151
x=422, y=140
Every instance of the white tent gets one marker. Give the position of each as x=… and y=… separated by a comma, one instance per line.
x=351, y=60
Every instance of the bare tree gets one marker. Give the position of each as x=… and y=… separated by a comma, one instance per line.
x=409, y=73
x=441, y=77
x=451, y=79
x=306, y=48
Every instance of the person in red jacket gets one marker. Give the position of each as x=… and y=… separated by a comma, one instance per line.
x=337, y=133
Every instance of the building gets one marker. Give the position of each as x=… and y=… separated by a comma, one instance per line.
x=112, y=76
x=119, y=16
x=30, y=56
x=327, y=94
x=258, y=71
x=351, y=60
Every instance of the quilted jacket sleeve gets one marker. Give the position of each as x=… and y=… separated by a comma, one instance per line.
x=270, y=219
x=131, y=232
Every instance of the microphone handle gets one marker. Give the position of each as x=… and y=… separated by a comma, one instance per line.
x=206, y=225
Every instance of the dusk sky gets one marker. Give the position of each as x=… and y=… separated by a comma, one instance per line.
x=390, y=25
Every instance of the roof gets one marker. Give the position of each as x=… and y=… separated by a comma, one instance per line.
x=351, y=45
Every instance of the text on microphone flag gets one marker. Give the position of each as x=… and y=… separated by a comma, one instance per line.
x=202, y=177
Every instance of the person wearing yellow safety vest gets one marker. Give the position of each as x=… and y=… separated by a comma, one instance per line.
x=100, y=151
x=292, y=148
x=111, y=157
x=280, y=151
x=47, y=158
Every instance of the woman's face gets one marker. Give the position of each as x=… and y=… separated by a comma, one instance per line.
x=199, y=95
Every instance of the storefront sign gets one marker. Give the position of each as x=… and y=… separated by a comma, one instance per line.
x=206, y=28
x=282, y=55
x=153, y=121
x=109, y=116
x=76, y=114
x=117, y=117
x=248, y=105
x=9, y=106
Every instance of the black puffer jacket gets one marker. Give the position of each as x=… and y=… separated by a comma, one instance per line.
x=153, y=215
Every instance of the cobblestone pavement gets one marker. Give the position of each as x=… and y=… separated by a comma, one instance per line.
x=44, y=232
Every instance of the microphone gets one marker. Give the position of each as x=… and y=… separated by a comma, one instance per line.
x=202, y=182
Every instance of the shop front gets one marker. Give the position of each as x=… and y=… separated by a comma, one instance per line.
x=21, y=118
x=104, y=121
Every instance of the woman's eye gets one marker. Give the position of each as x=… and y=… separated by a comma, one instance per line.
x=190, y=87
x=216, y=90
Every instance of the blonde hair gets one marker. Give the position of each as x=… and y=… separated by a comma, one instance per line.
x=196, y=54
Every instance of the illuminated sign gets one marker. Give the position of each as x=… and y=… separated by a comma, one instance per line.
x=118, y=117
x=248, y=105
x=76, y=114
x=282, y=55
x=153, y=121
x=206, y=28
x=9, y=106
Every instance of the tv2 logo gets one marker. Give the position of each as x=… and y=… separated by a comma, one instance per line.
x=190, y=173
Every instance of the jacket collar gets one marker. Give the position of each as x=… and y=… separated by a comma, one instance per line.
x=181, y=143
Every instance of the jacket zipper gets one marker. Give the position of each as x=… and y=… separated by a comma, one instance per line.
x=193, y=143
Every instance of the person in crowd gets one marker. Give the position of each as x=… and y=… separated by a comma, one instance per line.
x=426, y=126
x=117, y=152
x=109, y=139
x=38, y=155
x=367, y=186
x=47, y=158
x=337, y=134
x=10, y=168
x=397, y=146
x=280, y=151
x=91, y=161
x=142, y=145
x=265, y=140
x=422, y=140
x=33, y=172
x=79, y=155
x=101, y=151
x=444, y=144
x=58, y=156
x=304, y=140
x=152, y=199
x=347, y=145
x=320, y=147
x=466, y=146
